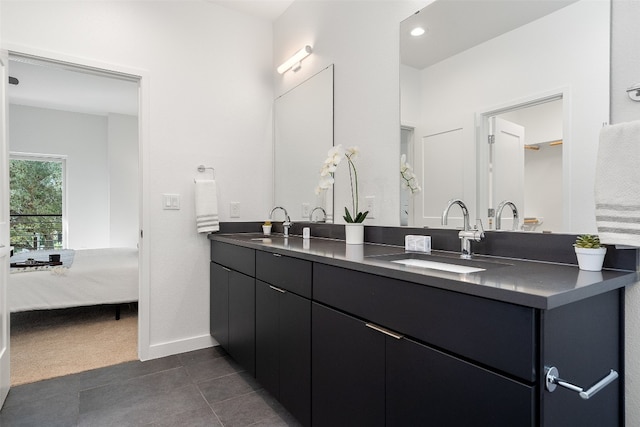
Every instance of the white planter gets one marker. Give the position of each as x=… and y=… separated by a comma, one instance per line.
x=354, y=233
x=590, y=259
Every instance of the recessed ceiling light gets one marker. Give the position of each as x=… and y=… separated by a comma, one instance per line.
x=418, y=31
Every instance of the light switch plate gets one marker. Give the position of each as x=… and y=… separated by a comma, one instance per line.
x=170, y=201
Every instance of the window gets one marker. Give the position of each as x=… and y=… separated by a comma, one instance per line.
x=36, y=202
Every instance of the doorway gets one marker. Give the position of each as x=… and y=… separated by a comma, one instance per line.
x=521, y=159
x=90, y=116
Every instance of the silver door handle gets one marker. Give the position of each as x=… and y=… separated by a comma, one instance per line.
x=552, y=380
x=278, y=289
x=384, y=331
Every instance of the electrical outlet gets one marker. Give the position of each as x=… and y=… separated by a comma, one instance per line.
x=370, y=205
x=234, y=209
x=305, y=210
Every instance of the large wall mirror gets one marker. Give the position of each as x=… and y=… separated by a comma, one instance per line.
x=505, y=101
x=303, y=134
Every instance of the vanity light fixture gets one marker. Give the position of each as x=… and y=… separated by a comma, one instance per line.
x=295, y=62
x=418, y=31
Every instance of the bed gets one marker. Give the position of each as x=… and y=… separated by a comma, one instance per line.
x=87, y=277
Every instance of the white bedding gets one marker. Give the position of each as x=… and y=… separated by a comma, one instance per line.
x=97, y=276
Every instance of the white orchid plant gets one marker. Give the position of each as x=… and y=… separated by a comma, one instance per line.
x=334, y=157
x=409, y=180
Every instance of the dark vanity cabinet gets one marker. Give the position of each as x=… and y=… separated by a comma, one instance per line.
x=343, y=346
x=232, y=301
x=381, y=376
x=283, y=331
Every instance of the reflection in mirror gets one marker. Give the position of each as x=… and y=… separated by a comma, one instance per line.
x=487, y=61
x=524, y=166
x=303, y=133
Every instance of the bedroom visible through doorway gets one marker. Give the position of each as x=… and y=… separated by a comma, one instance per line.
x=87, y=213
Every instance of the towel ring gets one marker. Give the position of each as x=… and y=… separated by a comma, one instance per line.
x=203, y=168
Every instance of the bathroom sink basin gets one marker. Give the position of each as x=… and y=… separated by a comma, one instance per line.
x=433, y=265
x=440, y=263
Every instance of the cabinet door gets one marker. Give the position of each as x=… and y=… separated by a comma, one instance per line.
x=426, y=387
x=283, y=348
x=242, y=320
x=347, y=371
x=295, y=356
x=219, y=304
x=267, y=337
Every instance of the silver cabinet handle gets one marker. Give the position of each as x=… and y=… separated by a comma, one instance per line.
x=552, y=380
x=278, y=255
x=384, y=331
x=278, y=289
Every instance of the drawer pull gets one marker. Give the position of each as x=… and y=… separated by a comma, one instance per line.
x=384, y=331
x=278, y=289
x=226, y=269
x=278, y=255
x=552, y=380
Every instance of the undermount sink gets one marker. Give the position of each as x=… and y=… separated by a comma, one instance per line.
x=454, y=268
x=440, y=263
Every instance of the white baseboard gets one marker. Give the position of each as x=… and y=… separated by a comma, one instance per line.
x=156, y=351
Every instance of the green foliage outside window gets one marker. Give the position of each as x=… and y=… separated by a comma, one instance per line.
x=35, y=204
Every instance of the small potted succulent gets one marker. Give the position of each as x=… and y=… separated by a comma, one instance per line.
x=590, y=252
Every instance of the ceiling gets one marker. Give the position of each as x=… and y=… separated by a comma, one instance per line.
x=268, y=9
x=452, y=26
x=60, y=87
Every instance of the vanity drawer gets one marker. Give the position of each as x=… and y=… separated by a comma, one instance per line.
x=234, y=257
x=493, y=333
x=291, y=274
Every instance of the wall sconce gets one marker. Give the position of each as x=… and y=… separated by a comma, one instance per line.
x=294, y=63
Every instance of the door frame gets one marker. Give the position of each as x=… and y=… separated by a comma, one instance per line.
x=483, y=131
x=143, y=78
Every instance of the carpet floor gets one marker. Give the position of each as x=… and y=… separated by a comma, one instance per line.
x=52, y=343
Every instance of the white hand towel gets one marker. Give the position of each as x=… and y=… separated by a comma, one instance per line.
x=617, y=184
x=206, y=206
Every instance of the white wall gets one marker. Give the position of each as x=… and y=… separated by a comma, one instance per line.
x=122, y=151
x=625, y=72
x=83, y=139
x=361, y=39
x=207, y=94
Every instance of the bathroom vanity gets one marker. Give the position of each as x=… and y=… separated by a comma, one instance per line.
x=344, y=335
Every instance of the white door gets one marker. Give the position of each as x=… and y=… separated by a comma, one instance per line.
x=507, y=168
x=5, y=373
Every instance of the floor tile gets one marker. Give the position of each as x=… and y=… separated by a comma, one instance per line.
x=196, y=418
x=210, y=369
x=151, y=409
x=128, y=393
x=228, y=386
x=26, y=393
x=249, y=409
x=126, y=371
x=54, y=411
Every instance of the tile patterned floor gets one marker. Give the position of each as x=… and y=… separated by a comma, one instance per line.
x=200, y=388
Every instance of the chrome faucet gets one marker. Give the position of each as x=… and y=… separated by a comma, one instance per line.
x=514, y=209
x=286, y=223
x=324, y=214
x=467, y=234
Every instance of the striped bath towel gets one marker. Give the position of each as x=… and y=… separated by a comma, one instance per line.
x=617, y=184
x=206, y=206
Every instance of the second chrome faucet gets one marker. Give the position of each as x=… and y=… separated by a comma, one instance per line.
x=467, y=234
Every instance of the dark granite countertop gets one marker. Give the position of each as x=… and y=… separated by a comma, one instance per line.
x=533, y=284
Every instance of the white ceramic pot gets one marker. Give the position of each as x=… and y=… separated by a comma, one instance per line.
x=590, y=259
x=354, y=233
